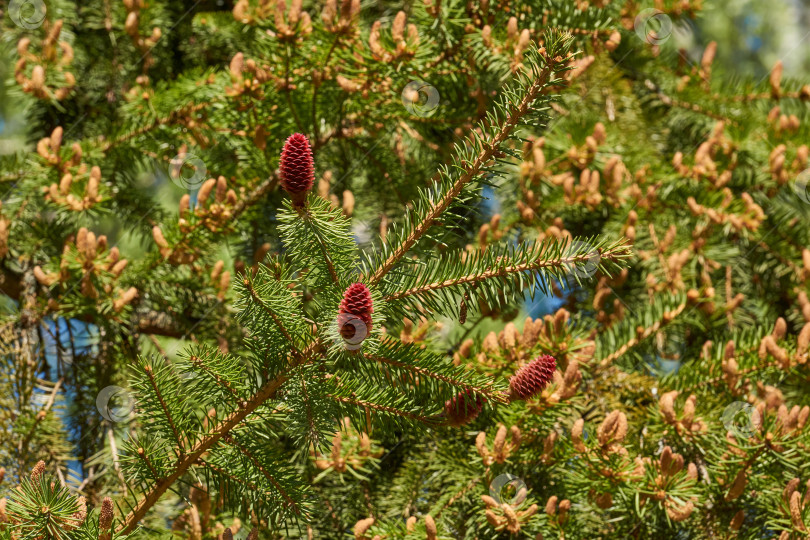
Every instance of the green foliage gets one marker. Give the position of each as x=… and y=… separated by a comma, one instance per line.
x=639, y=208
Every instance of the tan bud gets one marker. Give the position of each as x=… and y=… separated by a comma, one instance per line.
x=430, y=527
x=804, y=339
x=205, y=191
x=131, y=24
x=500, y=440
x=184, y=204
x=43, y=278
x=160, y=240
x=779, y=329
x=708, y=55
x=91, y=191
x=551, y=505
x=65, y=183
x=737, y=486
x=348, y=203
x=37, y=471
x=776, y=79
x=222, y=188
x=795, y=507
x=737, y=521
x=361, y=527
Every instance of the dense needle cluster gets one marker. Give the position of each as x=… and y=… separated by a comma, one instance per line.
x=297, y=167
x=532, y=378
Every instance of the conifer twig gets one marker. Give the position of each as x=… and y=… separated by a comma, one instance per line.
x=644, y=334
x=276, y=320
x=208, y=441
x=487, y=153
x=166, y=412
x=385, y=408
x=489, y=274
x=495, y=396
x=23, y=446
x=248, y=454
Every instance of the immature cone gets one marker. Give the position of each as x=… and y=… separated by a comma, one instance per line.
x=355, y=312
x=37, y=471
x=105, y=519
x=297, y=168
x=463, y=408
x=532, y=378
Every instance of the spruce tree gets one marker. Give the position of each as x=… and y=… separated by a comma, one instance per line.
x=437, y=269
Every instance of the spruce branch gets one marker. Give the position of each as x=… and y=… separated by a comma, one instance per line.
x=207, y=442
x=643, y=332
x=167, y=413
x=365, y=404
x=270, y=313
x=248, y=454
x=488, y=147
x=517, y=265
x=452, y=379
x=195, y=452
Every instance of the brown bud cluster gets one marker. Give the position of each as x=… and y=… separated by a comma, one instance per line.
x=794, y=504
x=214, y=210
x=558, y=510
x=220, y=279
x=214, y=213
x=340, y=16
x=749, y=217
x=504, y=517
x=714, y=161
x=576, y=171
x=550, y=335
x=291, y=22
x=782, y=168
x=404, y=41
x=418, y=332
x=79, y=187
x=686, y=424
x=670, y=467
x=350, y=449
x=784, y=125
x=144, y=43
x=61, y=194
x=501, y=448
x=513, y=47
x=87, y=256
x=247, y=78
x=49, y=77
x=490, y=232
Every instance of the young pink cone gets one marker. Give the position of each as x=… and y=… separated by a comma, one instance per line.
x=532, y=378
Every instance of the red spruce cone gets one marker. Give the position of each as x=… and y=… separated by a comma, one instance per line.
x=532, y=378
x=463, y=408
x=297, y=168
x=356, y=304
